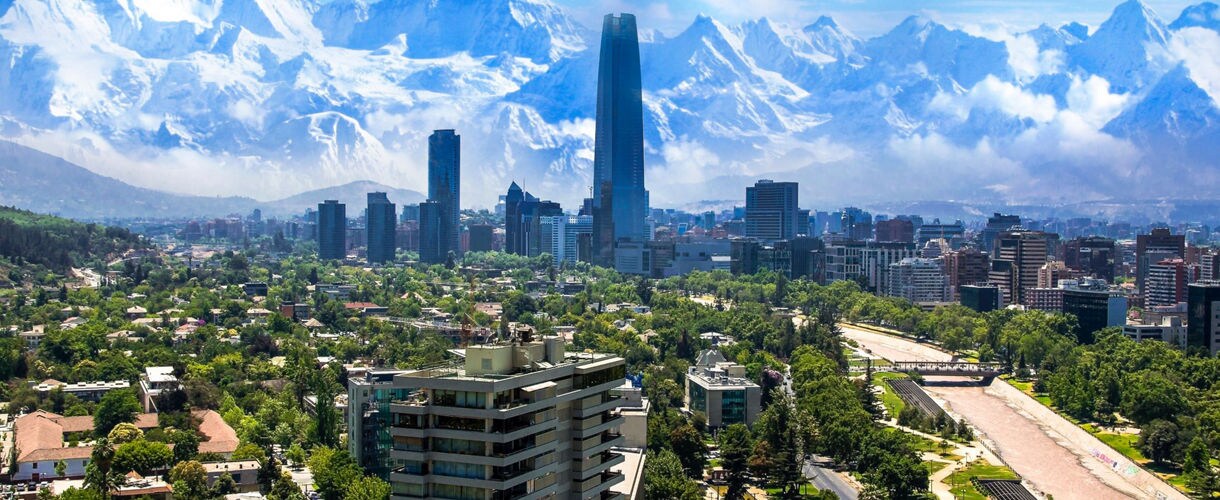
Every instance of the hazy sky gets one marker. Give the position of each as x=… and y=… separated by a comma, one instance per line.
x=864, y=17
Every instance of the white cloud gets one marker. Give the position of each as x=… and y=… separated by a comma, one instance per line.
x=997, y=95
x=686, y=160
x=1198, y=48
x=1092, y=101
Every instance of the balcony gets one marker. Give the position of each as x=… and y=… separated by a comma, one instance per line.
x=602, y=464
x=594, y=428
x=609, y=403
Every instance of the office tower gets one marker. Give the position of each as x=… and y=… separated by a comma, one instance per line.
x=1153, y=248
x=856, y=224
x=410, y=213
x=1203, y=316
x=981, y=298
x=381, y=227
x=1165, y=284
x=921, y=281
x=561, y=235
x=482, y=238
x=1052, y=272
x=1209, y=265
x=511, y=421
x=332, y=230
x=1094, y=310
x=802, y=222
x=1095, y=256
x=431, y=247
x=444, y=187
x=953, y=233
x=720, y=390
x=619, y=197
x=523, y=213
x=806, y=257
x=875, y=260
x=1026, y=253
x=369, y=419
x=896, y=231
x=997, y=224
x=771, y=210
x=709, y=220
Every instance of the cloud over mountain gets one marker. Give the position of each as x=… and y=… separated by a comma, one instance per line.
x=265, y=99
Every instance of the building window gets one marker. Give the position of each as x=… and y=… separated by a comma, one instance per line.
x=455, y=469
x=588, y=380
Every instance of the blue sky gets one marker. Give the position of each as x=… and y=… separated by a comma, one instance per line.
x=864, y=17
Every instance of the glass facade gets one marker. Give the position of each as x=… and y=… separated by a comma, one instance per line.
x=733, y=407
x=698, y=398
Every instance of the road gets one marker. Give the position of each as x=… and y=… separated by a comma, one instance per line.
x=826, y=479
x=1055, y=456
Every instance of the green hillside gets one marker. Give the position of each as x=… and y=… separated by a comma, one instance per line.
x=57, y=243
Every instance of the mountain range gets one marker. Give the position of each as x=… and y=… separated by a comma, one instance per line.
x=262, y=99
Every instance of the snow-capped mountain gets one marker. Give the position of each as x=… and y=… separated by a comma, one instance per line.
x=265, y=98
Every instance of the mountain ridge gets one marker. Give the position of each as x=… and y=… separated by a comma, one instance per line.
x=252, y=96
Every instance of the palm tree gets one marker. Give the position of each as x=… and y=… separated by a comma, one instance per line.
x=99, y=474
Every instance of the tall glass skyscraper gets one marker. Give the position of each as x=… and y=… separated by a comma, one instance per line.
x=771, y=210
x=332, y=230
x=444, y=184
x=619, y=199
x=381, y=225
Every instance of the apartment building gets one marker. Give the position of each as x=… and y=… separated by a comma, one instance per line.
x=519, y=420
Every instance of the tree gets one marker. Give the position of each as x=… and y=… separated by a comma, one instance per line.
x=189, y=479
x=736, y=445
x=1150, y=395
x=368, y=488
x=687, y=443
x=296, y=454
x=333, y=470
x=1158, y=440
x=142, y=456
x=285, y=489
x=60, y=468
x=327, y=422
x=116, y=407
x=186, y=445
x=665, y=479
x=125, y=432
x=1197, y=469
x=224, y=485
x=100, y=475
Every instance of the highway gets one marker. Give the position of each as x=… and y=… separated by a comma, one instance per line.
x=826, y=479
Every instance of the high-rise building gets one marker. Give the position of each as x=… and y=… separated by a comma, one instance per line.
x=1165, y=284
x=896, y=231
x=1027, y=253
x=410, y=212
x=482, y=238
x=431, y=248
x=771, y=211
x=382, y=216
x=332, y=230
x=444, y=188
x=561, y=236
x=1051, y=272
x=511, y=421
x=1094, y=310
x=1096, y=256
x=856, y=224
x=918, y=280
x=997, y=224
x=369, y=419
x=981, y=298
x=876, y=259
x=1151, y=248
x=953, y=233
x=619, y=197
x=523, y=214
x=967, y=266
x=1203, y=316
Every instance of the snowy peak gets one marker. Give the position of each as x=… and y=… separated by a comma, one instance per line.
x=826, y=37
x=1204, y=15
x=533, y=29
x=1125, y=48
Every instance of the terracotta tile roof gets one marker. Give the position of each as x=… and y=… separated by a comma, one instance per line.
x=35, y=432
x=39, y=436
x=220, y=437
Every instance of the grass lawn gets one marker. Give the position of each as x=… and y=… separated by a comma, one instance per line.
x=893, y=403
x=961, y=487
x=934, y=467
